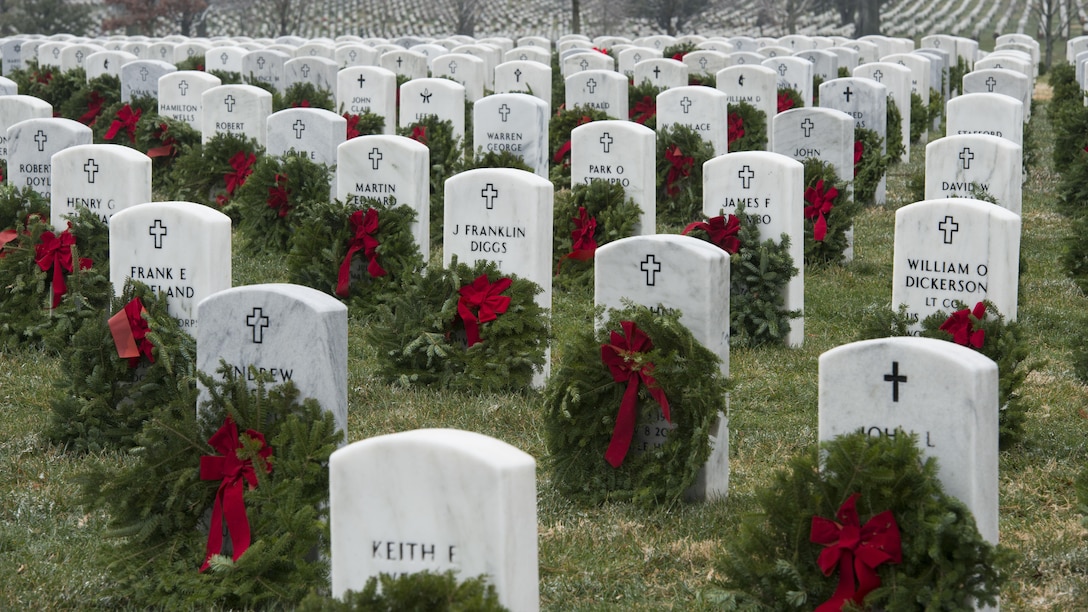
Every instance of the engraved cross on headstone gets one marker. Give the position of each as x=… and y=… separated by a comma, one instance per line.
x=878, y=76
x=143, y=73
x=657, y=72
x=223, y=58
x=91, y=168
x=375, y=158
x=183, y=87
x=584, y=64
x=489, y=193
x=847, y=93
x=702, y=63
x=591, y=85
x=517, y=75
x=305, y=70
x=990, y=84
x=651, y=267
x=806, y=126
x=895, y=378
x=41, y=138
x=257, y=321
x=746, y=175
x=782, y=68
x=229, y=102
x=504, y=112
x=261, y=62
x=299, y=127
x=157, y=230
x=965, y=158
x=606, y=141
x=453, y=66
x=361, y=79
x=686, y=104
x=949, y=227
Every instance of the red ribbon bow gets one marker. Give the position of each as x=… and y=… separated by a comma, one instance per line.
x=785, y=101
x=722, y=231
x=353, y=122
x=623, y=358
x=243, y=167
x=129, y=329
x=960, y=326
x=167, y=149
x=6, y=236
x=126, y=120
x=419, y=134
x=820, y=203
x=599, y=50
x=736, y=127
x=855, y=550
x=56, y=252
x=859, y=148
x=363, y=226
x=235, y=473
x=94, y=106
x=303, y=104
x=583, y=244
x=483, y=297
x=277, y=196
x=644, y=110
x=681, y=167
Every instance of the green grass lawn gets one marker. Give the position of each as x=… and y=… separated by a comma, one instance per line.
x=619, y=554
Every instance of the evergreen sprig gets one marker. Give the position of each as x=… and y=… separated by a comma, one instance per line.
x=302, y=182
x=896, y=146
x=320, y=244
x=104, y=89
x=159, y=505
x=101, y=402
x=936, y=108
x=754, y=124
x=946, y=564
x=156, y=134
x=146, y=105
x=199, y=171
x=841, y=218
x=919, y=117
x=306, y=95
x=682, y=202
x=418, y=591
x=417, y=332
x=616, y=216
x=759, y=274
x=582, y=401
x=869, y=171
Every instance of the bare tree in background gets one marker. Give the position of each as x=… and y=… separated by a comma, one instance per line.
x=604, y=17
x=672, y=16
x=154, y=17
x=1051, y=23
x=465, y=13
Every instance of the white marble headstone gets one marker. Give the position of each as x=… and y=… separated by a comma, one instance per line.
x=1001, y=81
x=362, y=89
x=661, y=72
x=702, y=109
x=313, y=133
x=266, y=66
x=955, y=165
x=405, y=62
x=224, y=59
x=180, y=95
x=383, y=167
x=897, y=80
x=525, y=76
x=141, y=78
x=468, y=70
x=754, y=84
x=986, y=113
x=16, y=108
x=955, y=249
x=105, y=178
x=601, y=90
x=794, y=73
x=437, y=500
x=442, y=98
x=288, y=332
x=627, y=58
x=31, y=145
x=318, y=71
x=181, y=250
x=944, y=393
x=236, y=109
x=515, y=123
x=821, y=133
x=621, y=152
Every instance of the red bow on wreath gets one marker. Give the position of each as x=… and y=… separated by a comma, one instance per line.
x=564, y=149
x=243, y=167
x=363, y=227
x=681, y=167
x=583, y=244
x=644, y=110
x=859, y=149
x=722, y=232
x=167, y=148
x=960, y=326
x=278, y=196
x=820, y=203
x=94, y=106
x=785, y=101
x=483, y=297
x=235, y=474
x=353, y=122
x=126, y=120
x=736, y=127
x=419, y=134
x=303, y=104
x=624, y=357
x=855, y=550
x=129, y=330
x=56, y=252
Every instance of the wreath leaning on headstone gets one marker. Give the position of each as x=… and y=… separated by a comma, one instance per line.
x=870, y=164
x=447, y=158
x=681, y=153
x=417, y=591
x=254, y=461
x=356, y=253
x=913, y=542
x=749, y=126
x=829, y=213
x=610, y=387
x=587, y=217
x=461, y=327
x=119, y=369
x=209, y=174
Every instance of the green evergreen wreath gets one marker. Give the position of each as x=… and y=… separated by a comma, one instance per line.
x=163, y=139
x=366, y=124
x=271, y=203
x=759, y=274
x=680, y=200
x=200, y=170
x=306, y=95
x=946, y=564
x=870, y=169
x=754, y=124
x=559, y=129
x=49, y=83
x=582, y=402
x=1004, y=342
x=102, y=401
x=418, y=591
x=788, y=98
x=919, y=117
x=896, y=146
x=839, y=220
x=159, y=506
x=416, y=333
x=27, y=315
x=86, y=104
x=146, y=106
x=447, y=159
x=642, y=103
x=496, y=159
x=616, y=216
x=321, y=242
